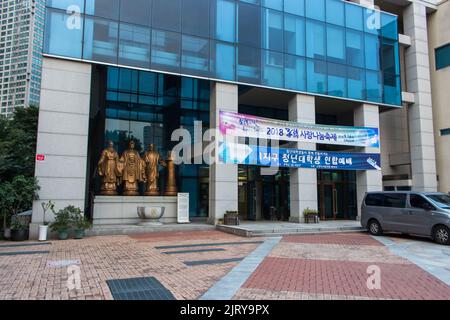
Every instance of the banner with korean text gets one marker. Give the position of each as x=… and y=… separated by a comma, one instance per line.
x=241, y=125
x=230, y=153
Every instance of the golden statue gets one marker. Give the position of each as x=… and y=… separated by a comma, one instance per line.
x=132, y=171
x=108, y=170
x=151, y=161
x=171, y=185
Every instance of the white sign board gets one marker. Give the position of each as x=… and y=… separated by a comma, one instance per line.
x=183, y=208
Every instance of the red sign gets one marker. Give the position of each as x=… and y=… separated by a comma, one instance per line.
x=40, y=157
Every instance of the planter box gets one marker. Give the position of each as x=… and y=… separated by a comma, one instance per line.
x=312, y=218
x=231, y=220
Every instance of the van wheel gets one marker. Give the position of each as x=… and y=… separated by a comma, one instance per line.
x=441, y=235
x=375, y=228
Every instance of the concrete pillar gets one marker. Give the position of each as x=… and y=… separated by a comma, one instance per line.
x=423, y=159
x=62, y=136
x=223, y=178
x=303, y=182
x=367, y=115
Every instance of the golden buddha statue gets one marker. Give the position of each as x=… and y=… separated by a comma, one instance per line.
x=152, y=160
x=133, y=171
x=108, y=170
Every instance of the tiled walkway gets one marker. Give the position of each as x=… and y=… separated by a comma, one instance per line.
x=211, y=265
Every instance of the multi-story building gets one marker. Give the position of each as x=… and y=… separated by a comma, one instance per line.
x=21, y=41
x=344, y=88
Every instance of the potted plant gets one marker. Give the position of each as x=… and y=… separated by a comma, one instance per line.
x=311, y=215
x=19, y=228
x=62, y=223
x=231, y=218
x=80, y=224
x=43, y=228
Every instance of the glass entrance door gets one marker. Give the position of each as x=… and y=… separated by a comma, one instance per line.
x=329, y=201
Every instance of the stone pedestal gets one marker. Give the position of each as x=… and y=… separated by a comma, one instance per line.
x=123, y=210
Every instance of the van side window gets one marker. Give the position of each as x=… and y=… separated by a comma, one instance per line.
x=418, y=201
x=375, y=200
x=395, y=200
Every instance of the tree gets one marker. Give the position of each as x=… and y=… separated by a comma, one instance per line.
x=18, y=143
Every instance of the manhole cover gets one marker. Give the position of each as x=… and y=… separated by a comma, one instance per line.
x=139, y=289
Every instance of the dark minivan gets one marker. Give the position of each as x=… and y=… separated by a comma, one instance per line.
x=419, y=213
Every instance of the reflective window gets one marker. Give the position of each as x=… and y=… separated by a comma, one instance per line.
x=63, y=34
x=134, y=45
x=195, y=18
x=355, y=48
x=356, y=83
x=389, y=26
x=373, y=86
x=67, y=5
x=103, y=8
x=272, y=69
x=354, y=17
x=249, y=64
x=315, y=40
x=223, y=62
x=195, y=56
x=166, y=14
x=336, y=44
x=295, y=73
x=372, y=52
x=100, y=40
x=294, y=35
x=249, y=25
x=224, y=20
x=273, y=4
x=337, y=80
x=315, y=9
x=372, y=21
x=395, y=200
x=316, y=76
x=335, y=12
x=273, y=30
x=296, y=7
x=442, y=57
x=136, y=11
x=166, y=50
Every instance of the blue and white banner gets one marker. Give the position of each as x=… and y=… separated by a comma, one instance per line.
x=242, y=125
x=295, y=158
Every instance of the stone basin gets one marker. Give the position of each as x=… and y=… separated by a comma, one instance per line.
x=150, y=215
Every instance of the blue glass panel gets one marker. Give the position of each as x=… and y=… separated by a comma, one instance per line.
x=294, y=35
x=249, y=25
x=337, y=80
x=63, y=34
x=67, y=5
x=335, y=12
x=390, y=84
x=136, y=11
x=354, y=16
x=272, y=69
x=356, y=83
x=355, y=48
x=315, y=40
x=224, y=16
x=389, y=26
x=373, y=86
x=248, y=64
x=103, y=8
x=273, y=30
x=316, y=72
x=100, y=40
x=336, y=44
x=295, y=73
x=295, y=7
x=128, y=80
x=195, y=56
x=372, y=21
x=315, y=9
x=442, y=57
x=252, y=1
x=223, y=62
x=372, y=52
x=134, y=46
x=390, y=57
x=166, y=47
x=113, y=78
x=273, y=4
x=166, y=14
x=147, y=83
x=195, y=17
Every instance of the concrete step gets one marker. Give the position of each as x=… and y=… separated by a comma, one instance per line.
x=110, y=230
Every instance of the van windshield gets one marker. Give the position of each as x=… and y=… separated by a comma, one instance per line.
x=442, y=200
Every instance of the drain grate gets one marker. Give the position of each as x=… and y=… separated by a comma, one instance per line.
x=18, y=253
x=148, y=288
x=214, y=261
x=193, y=251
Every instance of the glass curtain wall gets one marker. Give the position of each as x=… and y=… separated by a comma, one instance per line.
x=327, y=47
x=146, y=107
